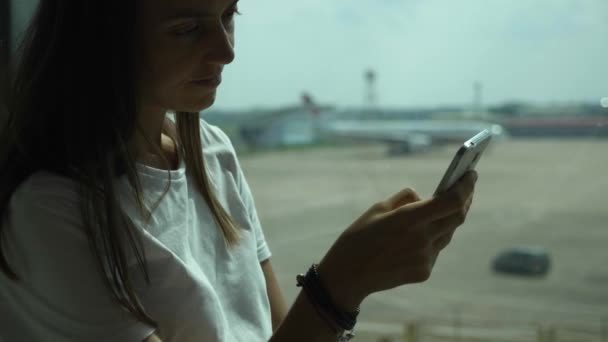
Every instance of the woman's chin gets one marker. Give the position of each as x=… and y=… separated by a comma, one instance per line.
x=196, y=106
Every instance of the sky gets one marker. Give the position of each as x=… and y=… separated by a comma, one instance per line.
x=424, y=52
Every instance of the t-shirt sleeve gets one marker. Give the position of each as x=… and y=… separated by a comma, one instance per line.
x=249, y=203
x=61, y=295
x=214, y=135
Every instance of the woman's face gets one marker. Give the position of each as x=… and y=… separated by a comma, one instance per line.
x=183, y=46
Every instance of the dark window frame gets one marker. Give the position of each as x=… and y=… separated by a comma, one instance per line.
x=5, y=51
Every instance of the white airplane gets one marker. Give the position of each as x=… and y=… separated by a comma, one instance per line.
x=402, y=136
x=407, y=136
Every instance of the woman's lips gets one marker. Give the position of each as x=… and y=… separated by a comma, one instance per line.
x=211, y=82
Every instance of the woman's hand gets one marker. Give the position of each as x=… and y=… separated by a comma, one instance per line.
x=393, y=243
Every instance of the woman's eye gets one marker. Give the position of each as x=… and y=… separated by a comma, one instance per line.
x=231, y=13
x=186, y=29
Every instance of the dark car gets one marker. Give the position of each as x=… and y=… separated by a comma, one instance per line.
x=523, y=261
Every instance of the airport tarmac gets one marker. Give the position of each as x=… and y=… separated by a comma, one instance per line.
x=552, y=193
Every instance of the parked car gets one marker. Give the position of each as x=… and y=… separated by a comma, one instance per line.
x=523, y=261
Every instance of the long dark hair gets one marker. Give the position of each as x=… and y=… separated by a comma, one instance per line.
x=72, y=107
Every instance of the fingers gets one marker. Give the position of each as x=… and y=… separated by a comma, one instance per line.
x=443, y=241
x=468, y=204
x=447, y=225
x=457, y=197
x=401, y=198
x=444, y=205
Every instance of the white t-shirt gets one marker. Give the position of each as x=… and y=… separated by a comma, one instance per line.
x=199, y=290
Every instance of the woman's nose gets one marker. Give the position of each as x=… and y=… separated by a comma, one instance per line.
x=221, y=47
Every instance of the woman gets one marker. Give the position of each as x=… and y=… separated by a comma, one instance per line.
x=122, y=222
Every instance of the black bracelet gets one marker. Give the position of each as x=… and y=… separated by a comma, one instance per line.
x=329, y=320
x=345, y=320
x=313, y=287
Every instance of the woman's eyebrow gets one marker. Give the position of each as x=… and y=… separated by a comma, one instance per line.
x=182, y=13
x=187, y=13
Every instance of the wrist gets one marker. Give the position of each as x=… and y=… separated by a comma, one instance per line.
x=340, y=290
x=341, y=317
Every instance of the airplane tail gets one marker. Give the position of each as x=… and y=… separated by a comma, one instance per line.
x=310, y=104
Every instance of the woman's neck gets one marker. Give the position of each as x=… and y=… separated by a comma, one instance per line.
x=169, y=151
x=159, y=135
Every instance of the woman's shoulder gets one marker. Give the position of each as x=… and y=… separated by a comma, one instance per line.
x=212, y=135
x=217, y=148
x=44, y=184
x=45, y=196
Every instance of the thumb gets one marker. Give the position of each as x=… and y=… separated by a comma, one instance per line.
x=403, y=197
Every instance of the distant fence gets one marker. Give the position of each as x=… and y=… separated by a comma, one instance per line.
x=482, y=331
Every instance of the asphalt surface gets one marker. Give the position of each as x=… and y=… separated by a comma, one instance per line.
x=552, y=193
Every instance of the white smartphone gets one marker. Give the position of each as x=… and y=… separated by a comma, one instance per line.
x=465, y=159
